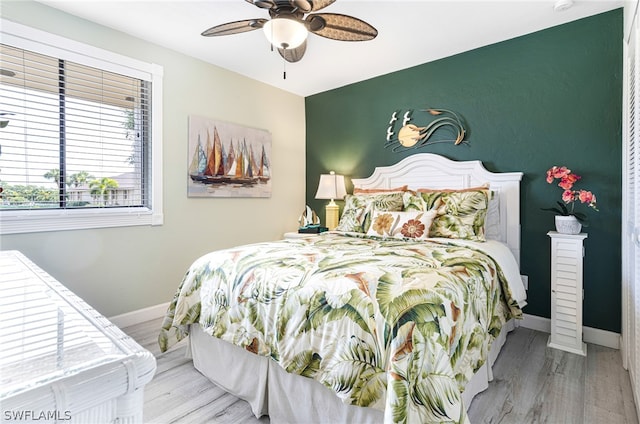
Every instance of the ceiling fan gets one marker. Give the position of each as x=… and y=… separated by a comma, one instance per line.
x=288, y=27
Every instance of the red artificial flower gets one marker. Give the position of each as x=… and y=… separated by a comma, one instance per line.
x=557, y=172
x=567, y=181
x=587, y=197
x=567, y=196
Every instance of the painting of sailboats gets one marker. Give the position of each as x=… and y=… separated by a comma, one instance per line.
x=228, y=160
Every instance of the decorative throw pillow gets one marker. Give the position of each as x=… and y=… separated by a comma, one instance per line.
x=357, y=209
x=459, y=213
x=413, y=224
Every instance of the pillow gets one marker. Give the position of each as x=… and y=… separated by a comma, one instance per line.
x=453, y=190
x=460, y=214
x=492, y=227
x=357, y=209
x=357, y=190
x=413, y=201
x=413, y=224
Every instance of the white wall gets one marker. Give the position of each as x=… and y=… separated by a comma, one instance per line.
x=125, y=269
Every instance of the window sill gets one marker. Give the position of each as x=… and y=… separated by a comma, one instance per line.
x=19, y=222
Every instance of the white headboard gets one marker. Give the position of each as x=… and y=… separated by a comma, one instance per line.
x=428, y=170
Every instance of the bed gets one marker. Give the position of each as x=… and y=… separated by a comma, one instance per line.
x=396, y=317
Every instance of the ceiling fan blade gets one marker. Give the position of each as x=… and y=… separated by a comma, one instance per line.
x=235, y=27
x=304, y=6
x=320, y=4
x=340, y=27
x=293, y=55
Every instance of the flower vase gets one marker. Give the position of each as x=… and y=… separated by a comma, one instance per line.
x=568, y=224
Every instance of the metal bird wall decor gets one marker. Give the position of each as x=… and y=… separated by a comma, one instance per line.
x=411, y=136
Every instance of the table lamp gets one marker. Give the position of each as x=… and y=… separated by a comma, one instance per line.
x=332, y=187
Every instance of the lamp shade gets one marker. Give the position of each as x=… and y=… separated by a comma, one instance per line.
x=285, y=33
x=331, y=186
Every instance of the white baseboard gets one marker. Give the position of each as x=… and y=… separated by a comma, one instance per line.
x=140, y=316
x=589, y=334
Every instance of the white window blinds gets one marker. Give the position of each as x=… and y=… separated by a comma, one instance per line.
x=80, y=135
x=77, y=136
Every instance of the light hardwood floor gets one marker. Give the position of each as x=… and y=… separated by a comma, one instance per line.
x=532, y=384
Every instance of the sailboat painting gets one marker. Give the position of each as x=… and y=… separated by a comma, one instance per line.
x=228, y=160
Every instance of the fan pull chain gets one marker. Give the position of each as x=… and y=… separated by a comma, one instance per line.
x=284, y=69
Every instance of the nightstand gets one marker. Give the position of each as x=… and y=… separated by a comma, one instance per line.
x=567, y=253
x=297, y=235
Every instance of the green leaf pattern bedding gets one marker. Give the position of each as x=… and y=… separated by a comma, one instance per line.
x=390, y=324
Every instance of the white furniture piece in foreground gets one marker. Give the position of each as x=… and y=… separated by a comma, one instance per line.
x=60, y=360
x=567, y=254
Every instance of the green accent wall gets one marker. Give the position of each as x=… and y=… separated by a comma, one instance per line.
x=553, y=97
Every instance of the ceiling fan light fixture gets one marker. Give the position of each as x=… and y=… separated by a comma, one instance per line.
x=292, y=21
x=285, y=33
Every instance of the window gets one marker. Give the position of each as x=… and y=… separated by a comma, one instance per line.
x=80, y=145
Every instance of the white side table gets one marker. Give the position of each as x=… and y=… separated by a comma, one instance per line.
x=60, y=357
x=567, y=253
x=297, y=235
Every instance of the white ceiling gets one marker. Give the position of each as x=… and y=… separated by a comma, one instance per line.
x=409, y=33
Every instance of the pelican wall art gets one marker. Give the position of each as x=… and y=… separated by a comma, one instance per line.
x=412, y=136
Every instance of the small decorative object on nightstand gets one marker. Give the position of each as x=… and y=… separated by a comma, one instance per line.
x=567, y=254
x=308, y=217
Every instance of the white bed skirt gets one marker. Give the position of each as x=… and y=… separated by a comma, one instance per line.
x=290, y=398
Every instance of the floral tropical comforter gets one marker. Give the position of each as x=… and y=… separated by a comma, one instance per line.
x=391, y=324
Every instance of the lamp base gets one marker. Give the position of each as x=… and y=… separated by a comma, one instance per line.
x=332, y=212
